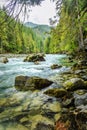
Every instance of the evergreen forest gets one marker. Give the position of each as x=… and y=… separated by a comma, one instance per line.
x=68, y=36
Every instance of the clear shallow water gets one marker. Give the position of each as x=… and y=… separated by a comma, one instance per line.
x=31, y=107
x=16, y=67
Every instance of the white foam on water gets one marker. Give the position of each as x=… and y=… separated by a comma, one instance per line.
x=1, y=73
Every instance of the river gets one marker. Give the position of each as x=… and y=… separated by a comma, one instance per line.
x=23, y=110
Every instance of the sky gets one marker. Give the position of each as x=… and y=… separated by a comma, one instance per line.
x=39, y=14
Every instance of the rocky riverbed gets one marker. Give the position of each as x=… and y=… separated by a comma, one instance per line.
x=60, y=106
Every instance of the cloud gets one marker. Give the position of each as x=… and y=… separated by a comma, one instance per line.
x=42, y=13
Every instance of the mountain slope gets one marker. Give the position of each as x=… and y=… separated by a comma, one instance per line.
x=41, y=30
x=30, y=24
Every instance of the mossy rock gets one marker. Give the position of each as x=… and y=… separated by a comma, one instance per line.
x=25, y=83
x=56, y=92
x=55, y=66
x=34, y=58
x=74, y=84
x=5, y=60
x=37, y=83
x=20, y=82
x=85, y=82
x=43, y=126
x=36, y=63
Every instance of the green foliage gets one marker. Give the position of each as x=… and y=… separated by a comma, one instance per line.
x=41, y=30
x=71, y=30
x=16, y=38
x=47, y=45
x=67, y=36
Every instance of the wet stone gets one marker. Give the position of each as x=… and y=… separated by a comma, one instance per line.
x=43, y=126
x=74, y=84
x=80, y=99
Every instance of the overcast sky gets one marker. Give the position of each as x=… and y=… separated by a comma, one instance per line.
x=39, y=14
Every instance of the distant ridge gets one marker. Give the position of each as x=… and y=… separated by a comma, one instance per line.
x=33, y=25
x=40, y=29
x=30, y=24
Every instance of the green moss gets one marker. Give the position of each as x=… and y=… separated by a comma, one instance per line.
x=56, y=92
x=74, y=84
x=68, y=85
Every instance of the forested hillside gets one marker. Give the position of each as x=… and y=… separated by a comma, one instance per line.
x=71, y=30
x=16, y=38
x=40, y=30
x=67, y=36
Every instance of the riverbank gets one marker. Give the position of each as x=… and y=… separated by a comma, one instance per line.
x=37, y=110
x=10, y=55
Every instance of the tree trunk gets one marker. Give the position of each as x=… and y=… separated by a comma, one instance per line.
x=81, y=43
x=1, y=46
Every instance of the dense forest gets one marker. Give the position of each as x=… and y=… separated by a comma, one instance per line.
x=67, y=36
x=17, y=38
x=71, y=30
x=38, y=91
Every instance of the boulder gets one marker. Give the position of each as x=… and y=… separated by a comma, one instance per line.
x=80, y=97
x=85, y=82
x=68, y=103
x=20, y=81
x=25, y=83
x=81, y=118
x=55, y=66
x=84, y=77
x=34, y=58
x=72, y=120
x=4, y=60
x=37, y=83
x=42, y=126
x=56, y=92
x=74, y=84
x=36, y=63
x=83, y=62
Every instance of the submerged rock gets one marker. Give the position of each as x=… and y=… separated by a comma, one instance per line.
x=56, y=92
x=34, y=58
x=25, y=83
x=74, y=84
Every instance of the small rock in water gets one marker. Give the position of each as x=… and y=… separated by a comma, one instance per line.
x=5, y=60
x=34, y=58
x=55, y=66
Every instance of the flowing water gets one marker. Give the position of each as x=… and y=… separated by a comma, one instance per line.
x=23, y=110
